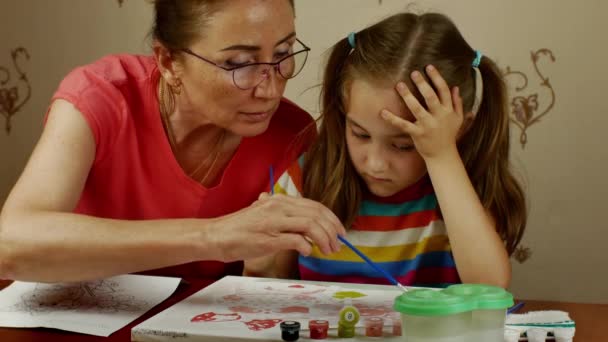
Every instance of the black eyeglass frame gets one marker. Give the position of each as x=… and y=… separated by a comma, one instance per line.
x=275, y=65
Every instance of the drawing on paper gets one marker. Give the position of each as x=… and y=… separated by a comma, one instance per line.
x=103, y=296
x=251, y=309
x=263, y=305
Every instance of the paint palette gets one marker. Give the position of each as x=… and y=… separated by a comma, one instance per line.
x=251, y=309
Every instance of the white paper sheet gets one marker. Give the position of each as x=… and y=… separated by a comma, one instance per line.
x=251, y=309
x=97, y=307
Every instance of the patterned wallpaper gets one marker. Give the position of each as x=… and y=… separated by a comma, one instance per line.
x=15, y=88
x=526, y=106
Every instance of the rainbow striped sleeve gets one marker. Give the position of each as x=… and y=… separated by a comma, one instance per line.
x=290, y=182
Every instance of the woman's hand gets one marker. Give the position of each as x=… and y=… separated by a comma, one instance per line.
x=436, y=129
x=276, y=223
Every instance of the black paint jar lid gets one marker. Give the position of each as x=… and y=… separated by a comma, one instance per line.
x=290, y=330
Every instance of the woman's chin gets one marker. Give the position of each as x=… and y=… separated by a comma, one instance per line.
x=249, y=129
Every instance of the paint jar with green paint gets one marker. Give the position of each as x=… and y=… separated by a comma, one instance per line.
x=491, y=304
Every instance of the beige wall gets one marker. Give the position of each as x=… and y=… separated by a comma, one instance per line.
x=562, y=163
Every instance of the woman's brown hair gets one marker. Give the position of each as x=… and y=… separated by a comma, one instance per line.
x=386, y=53
x=178, y=23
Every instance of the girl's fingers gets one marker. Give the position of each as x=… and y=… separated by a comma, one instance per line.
x=404, y=125
x=442, y=87
x=411, y=101
x=429, y=95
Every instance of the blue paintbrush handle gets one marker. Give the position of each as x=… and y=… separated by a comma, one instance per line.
x=271, y=174
x=371, y=263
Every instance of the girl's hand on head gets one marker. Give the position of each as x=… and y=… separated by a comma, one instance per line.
x=436, y=129
x=276, y=223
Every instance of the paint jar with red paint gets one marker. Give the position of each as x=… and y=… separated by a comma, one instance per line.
x=373, y=326
x=318, y=329
x=396, y=321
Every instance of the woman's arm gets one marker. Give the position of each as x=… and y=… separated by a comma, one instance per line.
x=42, y=240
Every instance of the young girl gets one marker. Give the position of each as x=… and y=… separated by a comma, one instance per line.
x=419, y=173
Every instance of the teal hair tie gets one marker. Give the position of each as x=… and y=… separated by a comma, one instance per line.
x=477, y=59
x=351, y=39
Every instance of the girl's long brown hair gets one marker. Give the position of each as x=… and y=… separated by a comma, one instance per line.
x=386, y=53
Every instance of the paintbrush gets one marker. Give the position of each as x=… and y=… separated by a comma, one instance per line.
x=379, y=269
x=373, y=264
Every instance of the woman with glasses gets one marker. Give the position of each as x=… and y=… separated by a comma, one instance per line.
x=156, y=163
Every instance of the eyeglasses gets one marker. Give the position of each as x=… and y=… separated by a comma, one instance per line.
x=251, y=75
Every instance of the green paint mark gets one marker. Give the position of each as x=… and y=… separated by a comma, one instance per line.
x=348, y=294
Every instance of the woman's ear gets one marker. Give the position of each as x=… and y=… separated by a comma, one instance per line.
x=167, y=64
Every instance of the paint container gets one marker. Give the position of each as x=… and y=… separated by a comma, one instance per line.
x=433, y=316
x=290, y=330
x=396, y=326
x=460, y=313
x=349, y=316
x=490, y=313
x=373, y=326
x=318, y=329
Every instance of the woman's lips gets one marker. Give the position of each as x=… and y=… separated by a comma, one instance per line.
x=257, y=116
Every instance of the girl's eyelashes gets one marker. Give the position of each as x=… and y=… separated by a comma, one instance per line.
x=360, y=135
x=396, y=146
x=404, y=148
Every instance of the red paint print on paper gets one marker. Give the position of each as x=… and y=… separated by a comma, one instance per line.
x=262, y=324
x=244, y=309
x=215, y=317
x=294, y=309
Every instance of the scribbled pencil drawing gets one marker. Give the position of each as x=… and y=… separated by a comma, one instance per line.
x=103, y=296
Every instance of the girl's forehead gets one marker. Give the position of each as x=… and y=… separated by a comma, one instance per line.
x=365, y=101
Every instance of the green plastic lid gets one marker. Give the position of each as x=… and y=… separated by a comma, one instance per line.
x=426, y=302
x=486, y=297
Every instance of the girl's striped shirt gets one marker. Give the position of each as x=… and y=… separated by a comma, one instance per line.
x=403, y=233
